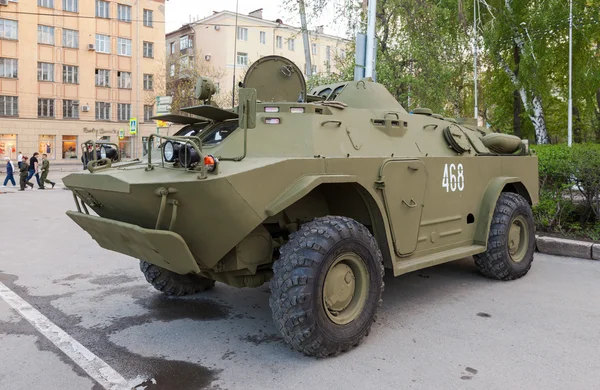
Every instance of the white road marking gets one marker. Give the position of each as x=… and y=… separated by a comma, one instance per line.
x=83, y=357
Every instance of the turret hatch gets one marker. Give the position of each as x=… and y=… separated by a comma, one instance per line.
x=276, y=79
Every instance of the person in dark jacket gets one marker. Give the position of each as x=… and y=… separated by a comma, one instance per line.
x=24, y=172
x=34, y=170
x=10, y=172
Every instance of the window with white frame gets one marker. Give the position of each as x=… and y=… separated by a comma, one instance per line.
x=279, y=42
x=71, y=5
x=70, y=74
x=124, y=80
x=71, y=109
x=314, y=69
x=342, y=54
x=172, y=46
x=185, y=42
x=172, y=70
x=102, y=78
x=9, y=68
x=102, y=9
x=328, y=54
x=46, y=3
x=263, y=37
x=314, y=49
x=102, y=43
x=45, y=71
x=242, y=33
x=291, y=44
x=70, y=38
x=124, y=13
x=148, y=49
x=124, y=46
x=45, y=108
x=45, y=34
x=103, y=111
x=9, y=29
x=148, y=82
x=148, y=112
x=123, y=111
x=9, y=106
x=148, y=18
x=242, y=59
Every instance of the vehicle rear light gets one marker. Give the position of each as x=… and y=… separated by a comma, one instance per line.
x=297, y=110
x=272, y=121
x=271, y=109
x=210, y=162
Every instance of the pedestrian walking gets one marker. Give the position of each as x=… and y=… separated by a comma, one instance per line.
x=10, y=172
x=24, y=172
x=45, y=171
x=20, y=159
x=34, y=169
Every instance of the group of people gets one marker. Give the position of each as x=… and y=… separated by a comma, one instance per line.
x=27, y=170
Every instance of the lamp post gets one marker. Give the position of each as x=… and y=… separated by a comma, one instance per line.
x=475, y=58
x=570, y=115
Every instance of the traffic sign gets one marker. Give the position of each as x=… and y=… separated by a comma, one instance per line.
x=121, y=134
x=161, y=124
x=133, y=126
x=163, y=104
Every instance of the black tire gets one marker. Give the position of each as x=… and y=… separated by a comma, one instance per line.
x=172, y=284
x=497, y=262
x=297, y=297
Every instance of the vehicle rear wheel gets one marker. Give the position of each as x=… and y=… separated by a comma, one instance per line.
x=172, y=284
x=327, y=286
x=511, y=241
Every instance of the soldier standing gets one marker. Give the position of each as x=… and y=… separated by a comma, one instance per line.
x=45, y=170
x=24, y=172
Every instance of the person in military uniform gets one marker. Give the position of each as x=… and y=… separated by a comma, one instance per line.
x=23, y=173
x=45, y=170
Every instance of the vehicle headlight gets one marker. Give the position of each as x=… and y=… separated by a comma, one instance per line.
x=190, y=158
x=169, y=151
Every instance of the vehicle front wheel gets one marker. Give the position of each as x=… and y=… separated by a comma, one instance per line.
x=327, y=286
x=511, y=241
x=172, y=284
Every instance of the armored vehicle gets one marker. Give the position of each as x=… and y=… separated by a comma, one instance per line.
x=316, y=192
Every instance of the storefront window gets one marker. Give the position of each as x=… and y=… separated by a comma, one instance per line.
x=69, y=146
x=125, y=148
x=46, y=143
x=8, y=146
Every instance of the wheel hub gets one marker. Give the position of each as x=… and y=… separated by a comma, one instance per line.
x=339, y=287
x=518, y=239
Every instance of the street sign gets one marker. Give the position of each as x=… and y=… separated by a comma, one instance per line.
x=121, y=134
x=161, y=124
x=133, y=126
x=163, y=104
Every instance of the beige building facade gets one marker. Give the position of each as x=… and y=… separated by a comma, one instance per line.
x=216, y=41
x=75, y=70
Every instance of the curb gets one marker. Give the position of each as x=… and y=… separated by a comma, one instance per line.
x=565, y=247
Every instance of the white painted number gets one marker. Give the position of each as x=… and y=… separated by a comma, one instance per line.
x=454, y=178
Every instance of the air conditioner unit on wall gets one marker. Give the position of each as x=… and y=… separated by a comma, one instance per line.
x=217, y=28
x=91, y=47
x=207, y=57
x=85, y=108
x=3, y=2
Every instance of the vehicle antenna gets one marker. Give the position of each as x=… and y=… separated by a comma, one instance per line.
x=234, y=54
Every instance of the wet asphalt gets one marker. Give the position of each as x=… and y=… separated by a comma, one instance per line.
x=441, y=328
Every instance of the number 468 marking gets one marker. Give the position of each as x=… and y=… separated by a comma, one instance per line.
x=454, y=178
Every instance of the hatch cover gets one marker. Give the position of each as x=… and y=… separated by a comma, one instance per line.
x=276, y=79
x=457, y=139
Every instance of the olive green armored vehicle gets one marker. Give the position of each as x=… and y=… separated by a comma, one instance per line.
x=316, y=192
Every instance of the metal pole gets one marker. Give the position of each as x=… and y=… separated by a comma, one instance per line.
x=370, y=57
x=235, y=54
x=475, y=57
x=305, y=38
x=570, y=126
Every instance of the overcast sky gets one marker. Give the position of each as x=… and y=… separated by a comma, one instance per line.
x=178, y=12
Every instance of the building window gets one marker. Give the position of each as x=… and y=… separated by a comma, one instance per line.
x=314, y=69
x=148, y=18
x=69, y=146
x=124, y=13
x=102, y=43
x=328, y=54
x=342, y=54
x=263, y=37
x=124, y=46
x=102, y=9
x=148, y=49
x=9, y=68
x=279, y=42
x=45, y=108
x=46, y=145
x=46, y=35
x=102, y=78
x=172, y=70
x=185, y=42
x=45, y=71
x=70, y=38
x=148, y=82
x=70, y=74
x=46, y=3
x=291, y=44
x=172, y=46
x=184, y=62
x=314, y=49
x=242, y=58
x=148, y=112
x=123, y=111
x=71, y=5
x=9, y=29
x=242, y=34
x=9, y=106
x=71, y=109
x=103, y=111
x=124, y=80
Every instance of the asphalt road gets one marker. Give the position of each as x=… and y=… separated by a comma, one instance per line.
x=441, y=328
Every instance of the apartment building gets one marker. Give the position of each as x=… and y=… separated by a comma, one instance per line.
x=75, y=70
x=217, y=41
